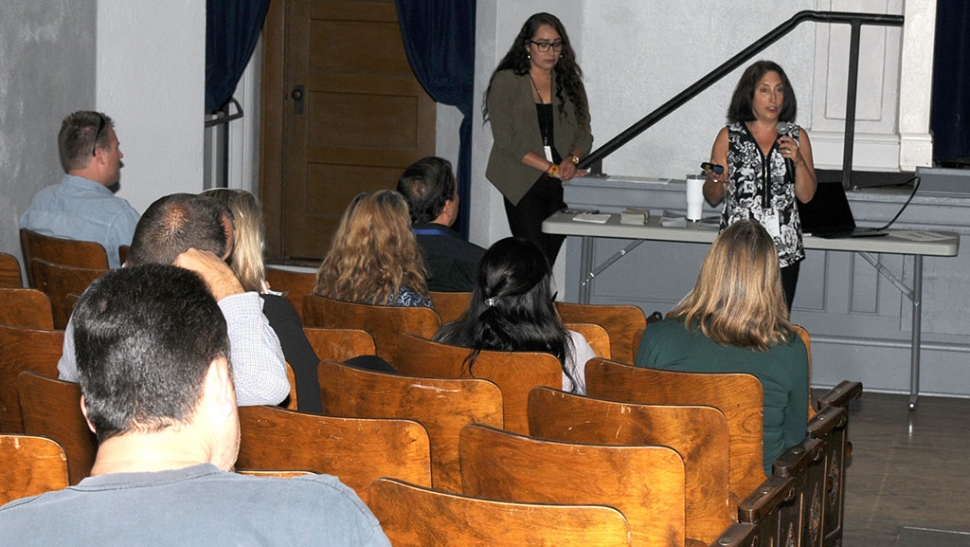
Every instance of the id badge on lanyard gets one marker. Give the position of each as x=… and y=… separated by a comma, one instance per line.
x=548, y=150
x=770, y=222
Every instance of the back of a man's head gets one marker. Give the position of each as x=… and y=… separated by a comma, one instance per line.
x=144, y=338
x=176, y=223
x=426, y=185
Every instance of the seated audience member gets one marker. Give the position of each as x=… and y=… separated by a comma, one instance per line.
x=247, y=263
x=374, y=257
x=157, y=388
x=82, y=206
x=736, y=320
x=512, y=309
x=429, y=187
x=188, y=231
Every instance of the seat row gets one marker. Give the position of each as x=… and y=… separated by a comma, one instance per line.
x=690, y=461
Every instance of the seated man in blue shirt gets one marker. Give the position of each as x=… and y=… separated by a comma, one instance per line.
x=429, y=187
x=157, y=389
x=82, y=207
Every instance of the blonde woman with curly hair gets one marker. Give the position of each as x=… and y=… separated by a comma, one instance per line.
x=736, y=320
x=375, y=257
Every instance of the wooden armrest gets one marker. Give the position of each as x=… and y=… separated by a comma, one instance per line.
x=828, y=419
x=738, y=534
x=766, y=498
x=841, y=394
x=798, y=457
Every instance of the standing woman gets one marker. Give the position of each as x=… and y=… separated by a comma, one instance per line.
x=767, y=163
x=537, y=106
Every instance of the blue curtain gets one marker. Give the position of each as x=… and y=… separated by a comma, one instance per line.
x=950, y=113
x=231, y=30
x=439, y=38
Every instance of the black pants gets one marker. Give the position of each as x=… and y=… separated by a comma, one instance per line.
x=789, y=279
x=525, y=219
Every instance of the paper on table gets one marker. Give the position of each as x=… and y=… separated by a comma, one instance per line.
x=595, y=218
x=921, y=235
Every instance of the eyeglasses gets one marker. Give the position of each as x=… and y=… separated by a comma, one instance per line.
x=101, y=124
x=544, y=46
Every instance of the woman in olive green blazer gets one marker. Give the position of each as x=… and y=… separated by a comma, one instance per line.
x=537, y=107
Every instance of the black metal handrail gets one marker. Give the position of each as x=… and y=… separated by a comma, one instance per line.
x=595, y=158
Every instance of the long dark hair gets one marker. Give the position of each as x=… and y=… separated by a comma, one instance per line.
x=569, y=77
x=512, y=306
x=743, y=98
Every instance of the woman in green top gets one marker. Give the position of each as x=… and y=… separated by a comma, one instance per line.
x=736, y=320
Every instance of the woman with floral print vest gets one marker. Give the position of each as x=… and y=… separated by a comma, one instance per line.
x=767, y=163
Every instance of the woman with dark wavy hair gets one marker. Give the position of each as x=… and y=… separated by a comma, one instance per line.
x=512, y=309
x=536, y=104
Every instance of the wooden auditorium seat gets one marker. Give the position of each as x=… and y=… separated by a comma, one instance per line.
x=340, y=344
x=412, y=516
x=294, y=284
x=384, y=323
x=442, y=406
x=515, y=373
x=595, y=335
x=621, y=321
x=645, y=483
x=802, y=502
x=59, y=281
x=738, y=396
x=52, y=409
x=80, y=254
x=450, y=305
x=10, y=272
x=698, y=433
x=31, y=466
x=25, y=308
x=356, y=450
x=23, y=349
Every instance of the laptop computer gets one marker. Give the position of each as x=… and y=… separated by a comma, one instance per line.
x=828, y=215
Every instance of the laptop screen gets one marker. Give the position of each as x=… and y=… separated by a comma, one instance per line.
x=828, y=211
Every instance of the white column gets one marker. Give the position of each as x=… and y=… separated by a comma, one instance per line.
x=916, y=84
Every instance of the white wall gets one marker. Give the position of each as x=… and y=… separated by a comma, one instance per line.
x=150, y=79
x=46, y=72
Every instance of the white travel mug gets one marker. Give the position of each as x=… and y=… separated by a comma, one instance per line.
x=695, y=197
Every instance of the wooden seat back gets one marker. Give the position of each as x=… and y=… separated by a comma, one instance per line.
x=738, y=396
x=515, y=373
x=52, y=409
x=10, y=272
x=698, y=433
x=595, y=335
x=340, y=344
x=25, y=308
x=356, y=450
x=279, y=474
x=58, y=281
x=80, y=254
x=442, y=406
x=31, y=466
x=802, y=333
x=384, y=323
x=291, y=401
x=23, y=349
x=645, y=483
x=621, y=321
x=294, y=284
x=450, y=305
x=412, y=516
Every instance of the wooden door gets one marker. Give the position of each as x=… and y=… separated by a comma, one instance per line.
x=342, y=113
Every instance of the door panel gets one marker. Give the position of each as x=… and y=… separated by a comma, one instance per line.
x=364, y=116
